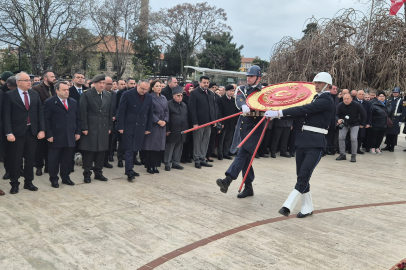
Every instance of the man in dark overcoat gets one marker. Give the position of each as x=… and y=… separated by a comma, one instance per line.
x=226, y=105
x=97, y=123
x=178, y=122
x=45, y=90
x=363, y=131
x=392, y=133
x=62, y=123
x=134, y=121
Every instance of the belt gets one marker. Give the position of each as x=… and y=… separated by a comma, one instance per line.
x=256, y=113
x=397, y=114
x=315, y=129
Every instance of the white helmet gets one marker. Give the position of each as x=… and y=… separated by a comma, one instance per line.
x=323, y=77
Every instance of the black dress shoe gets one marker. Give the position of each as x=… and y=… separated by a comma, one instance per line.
x=130, y=177
x=198, y=166
x=38, y=172
x=107, y=165
x=360, y=152
x=189, y=160
x=28, y=185
x=392, y=149
x=100, y=177
x=292, y=154
x=387, y=148
x=178, y=167
x=182, y=160
x=257, y=156
x=111, y=158
x=68, y=182
x=213, y=155
x=284, y=211
x=136, y=162
x=284, y=154
x=120, y=164
x=150, y=170
x=224, y=183
x=328, y=152
x=209, y=160
x=204, y=164
x=7, y=175
x=228, y=157
x=87, y=179
x=300, y=215
x=248, y=191
x=341, y=157
x=264, y=156
x=155, y=170
x=167, y=168
x=55, y=184
x=14, y=187
x=273, y=155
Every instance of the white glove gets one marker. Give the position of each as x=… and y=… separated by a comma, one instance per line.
x=245, y=109
x=400, y=124
x=272, y=114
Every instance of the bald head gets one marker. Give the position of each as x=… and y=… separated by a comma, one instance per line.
x=347, y=99
x=360, y=94
x=346, y=91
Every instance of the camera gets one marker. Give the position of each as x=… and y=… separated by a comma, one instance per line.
x=344, y=123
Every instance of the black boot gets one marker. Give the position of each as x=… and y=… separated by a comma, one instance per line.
x=99, y=176
x=120, y=164
x=14, y=187
x=248, y=191
x=87, y=178
x=273, y=155
x=284, y=154
x=284, y=211
x=392, y=149
x=341, y=157
x=155, y=170
x=28, y=185
x=150, y=170
x=387, y=148
x=107, y=165
x=224, y=183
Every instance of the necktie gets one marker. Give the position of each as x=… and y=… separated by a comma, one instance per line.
x=64, y=104
x=27, y=105
x=80, y=91
x=101, y=96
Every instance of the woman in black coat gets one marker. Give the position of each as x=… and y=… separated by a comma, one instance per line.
x=380, y=112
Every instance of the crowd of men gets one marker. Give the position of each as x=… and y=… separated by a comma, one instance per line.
x=50, y=124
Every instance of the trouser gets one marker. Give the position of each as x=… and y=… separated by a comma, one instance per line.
x=280, y=136
x=59, y=157
x=226, y=138
x=92, y=156
x=114, y=142
x=110, y=150
x=262, y=150
x=76, y=150
x=41, y=154
x=212, y=142
x=173, y=153
x=7, y=157
x=332, y=138
x=201, y=139
x=392, y=140
x=23, y=147
x=240, y=163
x=120, y=149
x=306, y=161
x=187, y=152
x=129, y=161
x=354, y=139
x=376, y=138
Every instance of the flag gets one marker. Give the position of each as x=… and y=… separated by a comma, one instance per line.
x=395, y=6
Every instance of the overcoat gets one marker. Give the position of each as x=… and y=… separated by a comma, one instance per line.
x=155, y=141
x=96, y=119
x=178, y=122
x=396, y=114
x=134, y=117
x=226, y=108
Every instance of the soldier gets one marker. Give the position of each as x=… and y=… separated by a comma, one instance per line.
x=396, y=102
x=245, y=124
x=311, y=142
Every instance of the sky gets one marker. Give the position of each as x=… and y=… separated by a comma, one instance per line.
x=258, y=25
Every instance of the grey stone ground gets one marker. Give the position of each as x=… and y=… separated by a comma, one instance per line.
x=121, y=225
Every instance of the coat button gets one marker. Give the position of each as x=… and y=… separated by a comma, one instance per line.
x=240, y=128
x=242, y=122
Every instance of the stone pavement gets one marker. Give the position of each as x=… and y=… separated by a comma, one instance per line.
x=180, y=219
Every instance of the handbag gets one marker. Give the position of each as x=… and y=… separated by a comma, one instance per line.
x=389, y=121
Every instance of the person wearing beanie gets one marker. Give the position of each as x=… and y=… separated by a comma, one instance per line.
x=4, y=76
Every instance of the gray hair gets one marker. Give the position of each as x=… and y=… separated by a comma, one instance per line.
x=18, y=76
x=170, y=78
x=11, y=81
x=58, y=84
x=143, y=80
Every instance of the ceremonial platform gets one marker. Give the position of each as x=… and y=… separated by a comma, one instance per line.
x=181, y=220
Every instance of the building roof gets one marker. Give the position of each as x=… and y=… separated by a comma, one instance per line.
x=247, y=60
x=109, y=45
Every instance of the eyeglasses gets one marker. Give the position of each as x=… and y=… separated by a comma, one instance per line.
x=24, y=80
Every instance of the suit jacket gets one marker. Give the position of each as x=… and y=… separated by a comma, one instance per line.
x=316, y=114
x=73, y=93
x=15, y=114
x=226, y=108
x=96, y=119
x=178, y=122
x=61, y=124
x=167, y=92
x=42, y=91
x=201, y=106
x=134, y=117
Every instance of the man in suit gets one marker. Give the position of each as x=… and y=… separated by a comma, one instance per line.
x=167, y=91
x=109, y=153
x=362, y=131
x=311, y=142
x=62, y=123
x=202, y=110
x=78, y=86
x=134, y=122
x=45, y=90
x=332, y=135
x=226, y=105
x=24, y=125
x=97, y=123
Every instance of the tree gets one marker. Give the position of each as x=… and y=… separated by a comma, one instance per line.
x=146, y=52
x=9, y=61
x=189, y=22
x=310, y=29
x=115, y=25
x=263, y=64
x=220, y=53
x=41, y=27
x=174, y=60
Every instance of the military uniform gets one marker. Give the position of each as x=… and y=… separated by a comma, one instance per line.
x=392, y=132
